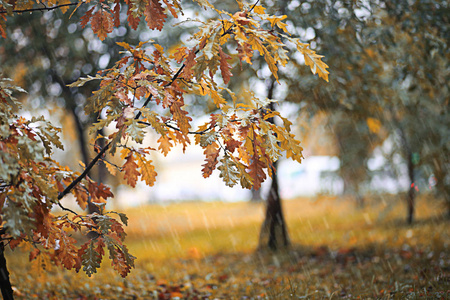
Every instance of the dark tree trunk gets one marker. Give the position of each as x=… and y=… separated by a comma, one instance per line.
x=256, y=196
x=273, y=232
x=410, y=200
x=5, y=284
x=411, y=192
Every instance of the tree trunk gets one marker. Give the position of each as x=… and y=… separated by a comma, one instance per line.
x=410, y=162
x=273, y=231
x=256, y=195
x=5, y=284
x=411, y=192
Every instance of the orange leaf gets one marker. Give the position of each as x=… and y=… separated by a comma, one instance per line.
x=189, y=63
x=132, y=20
x=130, y=170
x=154, y=15
x=225, y=66
x=211, y=152
x=181, y=117
x=147, y=170
x=164, y=144
x=86, y=17
x=245, y=52
x=117, y=13
x=102, y=24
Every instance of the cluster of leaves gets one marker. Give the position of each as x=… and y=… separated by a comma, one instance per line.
x=238, y=139
x=249, y=142
x=31, y=183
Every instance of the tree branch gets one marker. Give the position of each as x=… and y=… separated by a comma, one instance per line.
x=39, y=8
x=103, y=151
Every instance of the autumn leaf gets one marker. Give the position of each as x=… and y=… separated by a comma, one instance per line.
x=211, y=152
x=147, y=170
x=313, y=60
x=257, y=171
x=225, y=66
x=130, y=169
x=229, y=171
x=259, y=9
x=181, y=116
x=164, y=144
x=91, y=257
x=154, y=15
x=102, y=24
x=86, y=17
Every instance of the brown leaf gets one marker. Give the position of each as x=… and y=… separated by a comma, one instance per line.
x=225, y=66
x=181, y=116
x=102, y=24
x=212, y=153
x=257, y=172
x=154, y=15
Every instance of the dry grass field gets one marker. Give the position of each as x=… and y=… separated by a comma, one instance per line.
x=208, y=251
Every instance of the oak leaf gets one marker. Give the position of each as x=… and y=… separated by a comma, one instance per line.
x=154, y=15
x=164, y=144
x=130, y=169
x=225, y=66
x=211, y=152
x=102, y=24
x=147, y=170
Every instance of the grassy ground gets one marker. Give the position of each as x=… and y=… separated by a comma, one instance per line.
x=207, y=251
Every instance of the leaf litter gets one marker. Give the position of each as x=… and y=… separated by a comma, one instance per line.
x=207, y=251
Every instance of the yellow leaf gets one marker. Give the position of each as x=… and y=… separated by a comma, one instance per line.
x=164, y=144
x=282, y=26
x=259, y=9
x=217, y=98
x=274, y=19
x=124, y=153
x=111, y=168
x=64, y=8
x=373, y=124
x=148, y=173
x=314, y=61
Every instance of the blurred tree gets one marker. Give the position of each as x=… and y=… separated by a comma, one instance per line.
x=409, y=51
x=390, y=80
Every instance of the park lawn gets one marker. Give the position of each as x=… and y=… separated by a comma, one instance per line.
x=201, y=250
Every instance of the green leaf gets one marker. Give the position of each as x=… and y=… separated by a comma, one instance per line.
x=208, y=138
x=123, y=217
x=17, y=220
x=136, y=131
x=90, y=259
x=99, y=99
x=82, y=81
x=229, y=171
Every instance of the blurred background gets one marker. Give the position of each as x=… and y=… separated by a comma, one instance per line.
x=380, y=126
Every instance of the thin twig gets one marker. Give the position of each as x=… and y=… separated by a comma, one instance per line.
x=39, y=8
x=66, y=209
x=254, y=5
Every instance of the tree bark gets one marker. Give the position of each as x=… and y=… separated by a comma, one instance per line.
x=411, y=192
x=256, y=196
x=5, y=283
x=273, y=231
x=410, y=200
